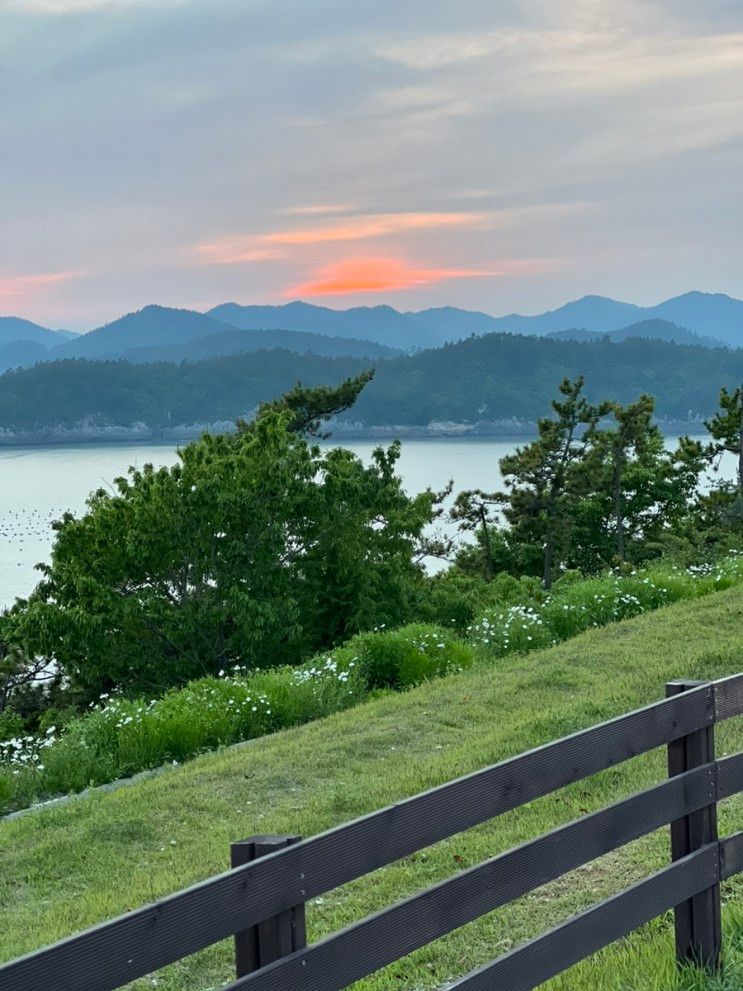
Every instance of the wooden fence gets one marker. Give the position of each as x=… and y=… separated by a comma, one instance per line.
x=261, y=899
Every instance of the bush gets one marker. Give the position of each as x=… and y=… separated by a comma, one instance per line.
x=119, y=736
x=407, y=656
x=515, y=630
x=576, y=604
x=452, y=599
x=455, y=599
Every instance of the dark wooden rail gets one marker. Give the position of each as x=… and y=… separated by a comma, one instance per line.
x=261, y=900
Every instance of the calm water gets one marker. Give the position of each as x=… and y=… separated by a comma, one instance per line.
x=39, y=484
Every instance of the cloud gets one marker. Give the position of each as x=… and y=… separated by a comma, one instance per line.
x=377, y=225
x=234, y=249
x=371, y=275
x=19, y=286
x=604, y=58
x=457, y=134
x=316, y=209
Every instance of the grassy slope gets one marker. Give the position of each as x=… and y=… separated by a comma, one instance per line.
x=68, y=867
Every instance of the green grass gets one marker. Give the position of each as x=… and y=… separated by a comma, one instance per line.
x=66, y=867
x=122, y=736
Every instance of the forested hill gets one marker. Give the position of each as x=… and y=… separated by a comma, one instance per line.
x=491, y=378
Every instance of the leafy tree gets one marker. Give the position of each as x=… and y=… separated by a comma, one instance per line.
x=17, y=672
x=255, y=548
x=637, y=492
x=584, y=495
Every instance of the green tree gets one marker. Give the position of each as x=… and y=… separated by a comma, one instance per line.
x=543, y=481
x=726, y=428
x=308, y=407
x=633, y=432
x=637, y=493
x=256, y=548
x=474, y=512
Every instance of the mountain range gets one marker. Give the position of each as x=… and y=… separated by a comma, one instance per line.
x=710, y=315
x=653, y=330
x=157, y=333
x=160, y=333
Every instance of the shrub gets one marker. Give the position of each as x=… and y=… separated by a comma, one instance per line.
x=576, y=604
x=120, y=736
x=455, y=599
x=452, y=599
x=407, y=656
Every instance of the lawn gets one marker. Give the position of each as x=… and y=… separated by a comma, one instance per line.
x=67, y=867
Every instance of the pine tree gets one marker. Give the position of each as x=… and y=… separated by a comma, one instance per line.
x=726, y=428
x=543, y=478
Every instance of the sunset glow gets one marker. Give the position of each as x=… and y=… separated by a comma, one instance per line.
x=233, y=251
x=249, y=148
x=375, y=275
x=239, y=248
x=378, y=225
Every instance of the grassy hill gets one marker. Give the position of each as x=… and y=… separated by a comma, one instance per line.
x=67, y=867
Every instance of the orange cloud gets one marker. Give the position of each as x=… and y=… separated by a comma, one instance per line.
x=375, y=275
x=376, y=225
x=23, y=285
x=267, y=247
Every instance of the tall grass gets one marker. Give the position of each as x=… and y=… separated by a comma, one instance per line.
x=120, y=737
x=575, y=606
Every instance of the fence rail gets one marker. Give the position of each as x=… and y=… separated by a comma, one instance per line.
x=261, y=899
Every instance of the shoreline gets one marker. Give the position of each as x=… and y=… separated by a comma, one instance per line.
x=499, y=429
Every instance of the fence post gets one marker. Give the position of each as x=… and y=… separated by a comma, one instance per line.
x=698, y=920
x=276, y=937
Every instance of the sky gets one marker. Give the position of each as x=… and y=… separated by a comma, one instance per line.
x=504, y=156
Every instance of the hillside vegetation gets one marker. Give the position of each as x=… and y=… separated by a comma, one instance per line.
x=70, y=866
x=499, y=377
x=121, y=736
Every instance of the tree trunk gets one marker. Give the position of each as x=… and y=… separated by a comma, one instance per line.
x=618, y=509
x=489, y=569
x=549, y=553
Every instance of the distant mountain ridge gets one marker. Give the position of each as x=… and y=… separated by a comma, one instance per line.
x=152, y=326
x=710, y=315
x=14, y=329
x=382, y=324
x=165, y=333
x=714, y=315
x=232, y=341
x=24, y=343
x=654, y=330
x=159, y=333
